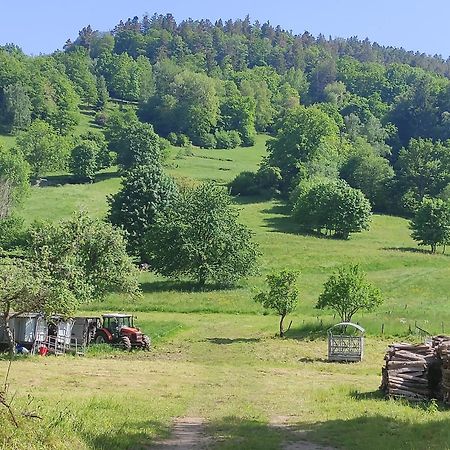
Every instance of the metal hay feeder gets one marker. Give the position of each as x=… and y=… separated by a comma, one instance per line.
x=345, y=346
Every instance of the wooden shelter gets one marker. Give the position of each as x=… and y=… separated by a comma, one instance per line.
x=346, y=342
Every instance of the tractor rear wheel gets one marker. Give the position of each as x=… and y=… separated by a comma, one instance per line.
x=146, y=343
x=125, y=343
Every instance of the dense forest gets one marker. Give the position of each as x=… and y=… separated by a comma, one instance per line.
x=377, y=117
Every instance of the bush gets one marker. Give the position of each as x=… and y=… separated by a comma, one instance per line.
x=12, y=233
x=172, y=138
x=333, y=206
x=245, y=183
x=347, y=291
x=228, y=139
x=101, y=119
x=183, y=140
x=84, y=160
x=208, y=140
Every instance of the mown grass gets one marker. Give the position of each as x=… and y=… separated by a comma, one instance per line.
x=231, y=371
x=415, y=284
x=215, y=354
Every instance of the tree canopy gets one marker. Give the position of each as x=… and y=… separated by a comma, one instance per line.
x=199, y=237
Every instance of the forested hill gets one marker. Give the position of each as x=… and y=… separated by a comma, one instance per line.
x=217, y=85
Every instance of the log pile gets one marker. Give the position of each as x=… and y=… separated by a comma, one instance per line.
x=405, y=374
x=442, y=347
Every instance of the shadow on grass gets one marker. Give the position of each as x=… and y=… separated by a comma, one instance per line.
x=232, y=432
x=229, y=433
x=373, y=395
x=180, y=286
x=414, y=250
x=227, y=341
x=378, y=431
x=251, y=199
x=282, y=222
x=129, y=435
x=308, y=331
x=61, y=180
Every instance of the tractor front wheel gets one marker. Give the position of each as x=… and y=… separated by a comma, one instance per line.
x=101, y=338
x=146, y=343
x=125, y=343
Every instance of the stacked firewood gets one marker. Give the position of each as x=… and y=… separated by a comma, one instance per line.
x=442, y=347
x=405, y=374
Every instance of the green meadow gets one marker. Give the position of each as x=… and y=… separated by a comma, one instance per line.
x=215, y=354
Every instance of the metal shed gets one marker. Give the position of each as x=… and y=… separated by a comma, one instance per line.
x=26, y=329
x=344, y=344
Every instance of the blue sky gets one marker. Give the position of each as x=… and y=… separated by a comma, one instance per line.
x=43, y=26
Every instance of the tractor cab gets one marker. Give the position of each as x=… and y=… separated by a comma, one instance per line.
x=115, y=322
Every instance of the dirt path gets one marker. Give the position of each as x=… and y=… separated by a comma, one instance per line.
x=188, y=433
x=295, y=438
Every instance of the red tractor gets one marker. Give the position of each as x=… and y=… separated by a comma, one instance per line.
x=118, y=329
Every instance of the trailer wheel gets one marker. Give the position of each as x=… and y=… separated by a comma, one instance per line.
x=146, y=343
x=125, y=343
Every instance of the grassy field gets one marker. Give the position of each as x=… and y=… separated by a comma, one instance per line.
x=233, y=373
x=216, y=355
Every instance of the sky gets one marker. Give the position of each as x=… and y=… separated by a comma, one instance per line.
x=43, y=26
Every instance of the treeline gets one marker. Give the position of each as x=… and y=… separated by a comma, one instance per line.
x=376, y=117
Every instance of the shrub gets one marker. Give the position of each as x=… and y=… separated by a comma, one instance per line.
x=227, y=139
x=101, y=119
x=333, y=206
x=245, y=183
x=207, y=140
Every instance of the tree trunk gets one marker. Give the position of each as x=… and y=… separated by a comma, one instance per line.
x=282, y=325
x=9, y=335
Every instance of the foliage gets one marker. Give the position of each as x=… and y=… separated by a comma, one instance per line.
x=370, y=173
x=12, y=232
x=84, y=160
x=146, y=191
x=347, y=291
x=200, y=237
x=25, y=287
x=282, y=295
x=16, y=107
x=423, y=169
x=298, y=139
x=15, y=172
x=227, y=139
x=431, y=223
x=134, y=142
x=87, y=254
x=43, y=148
x=332, y=205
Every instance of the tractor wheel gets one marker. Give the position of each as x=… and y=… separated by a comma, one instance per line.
x=101, y=338
x=125, y=343
x=146, y=343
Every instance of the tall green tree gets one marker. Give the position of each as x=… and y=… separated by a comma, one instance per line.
x=88, y=255
x=16, y=108
x=431, y=223
x=146, y=191
x=200, y=238
x=299, y=138
x=43, y=148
